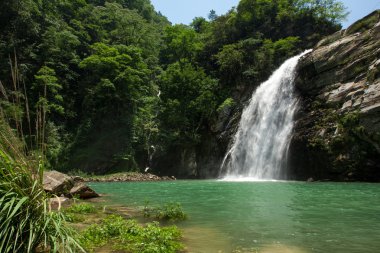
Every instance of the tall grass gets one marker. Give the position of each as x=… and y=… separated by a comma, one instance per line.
x=26, y=225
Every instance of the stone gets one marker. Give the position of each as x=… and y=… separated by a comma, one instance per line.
x=83, y=191
x=57, y=183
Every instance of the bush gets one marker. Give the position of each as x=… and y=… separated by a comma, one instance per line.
x=76, y=212
x=26, y=225
x=130, y=236
x=228, y=103
x=82, y=208
x=170, y=211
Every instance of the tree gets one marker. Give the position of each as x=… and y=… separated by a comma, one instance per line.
x=49, y=102
x=181, y=44
x=331, y=10
x=187, y=101
x=212, y=15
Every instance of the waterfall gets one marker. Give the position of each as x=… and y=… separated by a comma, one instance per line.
x=261, y=143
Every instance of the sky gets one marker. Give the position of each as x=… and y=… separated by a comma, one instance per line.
x=183, y=11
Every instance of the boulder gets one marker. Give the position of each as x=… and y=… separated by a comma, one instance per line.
x=83, y=191
x=57, y=183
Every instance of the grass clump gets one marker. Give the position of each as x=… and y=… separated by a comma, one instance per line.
x=83, y=208
x=169, y=211
x=26, y=223
x=76, y=212
x=129, y=236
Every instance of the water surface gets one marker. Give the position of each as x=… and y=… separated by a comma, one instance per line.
x=265, y=216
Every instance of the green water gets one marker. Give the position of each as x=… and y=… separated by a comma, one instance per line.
x=265, y=216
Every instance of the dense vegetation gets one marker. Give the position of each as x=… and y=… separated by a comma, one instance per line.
x=113, y=231
x=106, y=85
x=26, y=223
x=129, y=236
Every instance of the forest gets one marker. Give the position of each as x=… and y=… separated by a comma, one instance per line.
x=107, y=86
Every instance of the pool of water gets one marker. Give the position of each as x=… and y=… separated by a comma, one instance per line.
x=265, y=216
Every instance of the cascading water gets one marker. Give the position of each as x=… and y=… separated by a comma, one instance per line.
x=261, y=143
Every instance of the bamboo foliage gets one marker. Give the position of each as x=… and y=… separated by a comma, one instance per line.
x=26, y=222
x=26, y=225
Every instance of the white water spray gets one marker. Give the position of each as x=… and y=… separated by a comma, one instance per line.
x=261, y=143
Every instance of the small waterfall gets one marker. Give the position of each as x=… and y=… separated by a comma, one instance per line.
x=261, y=143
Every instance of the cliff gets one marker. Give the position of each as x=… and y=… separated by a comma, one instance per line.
x=337, y=132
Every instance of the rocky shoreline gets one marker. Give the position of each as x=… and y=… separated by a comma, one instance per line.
x=127, y=177
x=58, y=183
x=63, y=188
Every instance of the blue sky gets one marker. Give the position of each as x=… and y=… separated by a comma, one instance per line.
x=183, y=11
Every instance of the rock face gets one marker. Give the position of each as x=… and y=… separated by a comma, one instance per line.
x=337, y=134
x=57, y=183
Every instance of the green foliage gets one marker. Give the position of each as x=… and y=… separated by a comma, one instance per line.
x=187, y=100
x=48, y=89
x=169, y=211
x=74, y=217
x=229, y=102
x=26, y=224
x=77, y=212
x=231, y=59
x=82, y=208
x=181, y=42
x=130, y=236
x=331, y=10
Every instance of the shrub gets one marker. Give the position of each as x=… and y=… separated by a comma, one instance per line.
x=170, y=211
x=26, y=225
x=82, y=208
x=130, y=236
x=229, y=102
